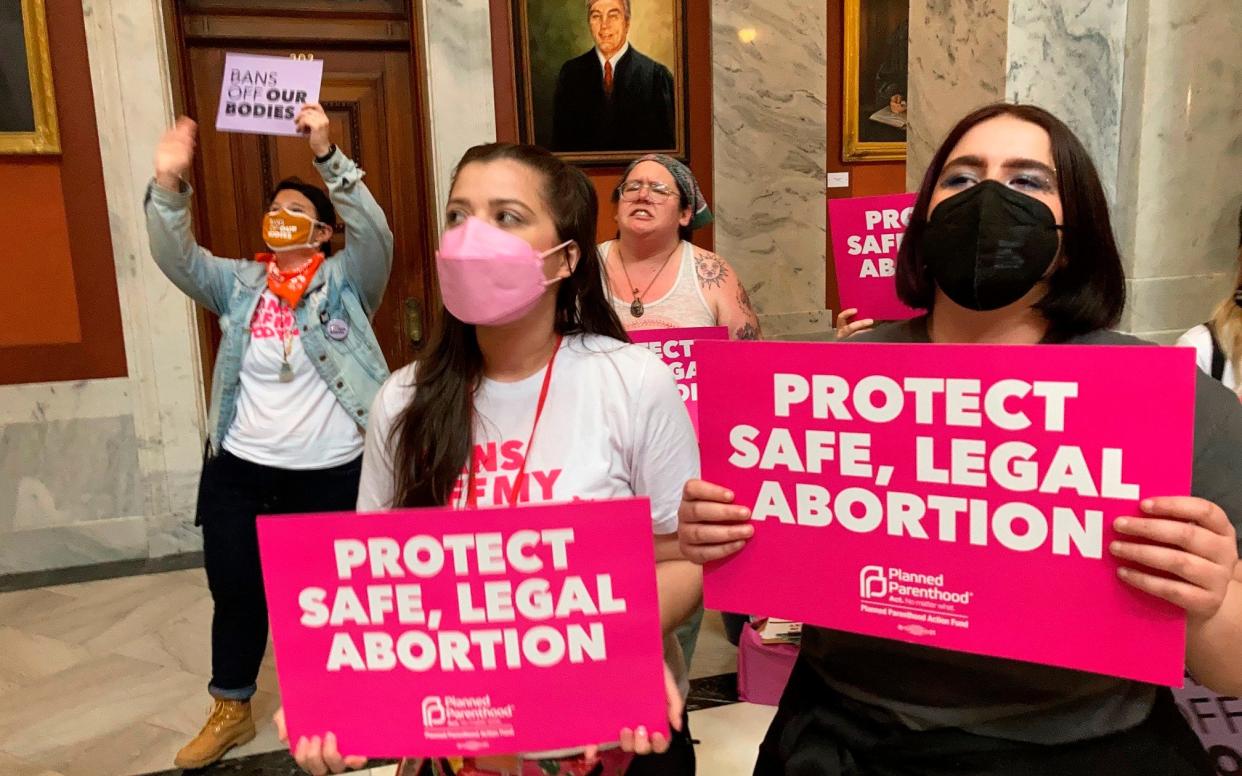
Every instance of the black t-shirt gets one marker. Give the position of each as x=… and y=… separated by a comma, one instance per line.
x=929, y=688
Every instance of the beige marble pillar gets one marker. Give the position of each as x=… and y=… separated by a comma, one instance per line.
x=957, y=63
x=1179, y=190
x=460, y=92
x=769, y=86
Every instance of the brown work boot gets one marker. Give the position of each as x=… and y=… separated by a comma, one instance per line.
x=229, y=725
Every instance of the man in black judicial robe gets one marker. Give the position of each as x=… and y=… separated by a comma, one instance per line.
x=613, y=98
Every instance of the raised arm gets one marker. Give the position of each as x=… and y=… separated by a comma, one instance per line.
x=367, y=256
x=202, y=277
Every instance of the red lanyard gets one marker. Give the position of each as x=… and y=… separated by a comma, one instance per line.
x=472, y=500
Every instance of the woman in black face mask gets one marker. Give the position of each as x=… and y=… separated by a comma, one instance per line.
x=1009, y=242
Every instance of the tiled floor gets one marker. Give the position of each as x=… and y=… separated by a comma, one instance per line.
x=110, y=677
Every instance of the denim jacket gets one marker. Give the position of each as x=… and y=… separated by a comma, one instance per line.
x=347, y=288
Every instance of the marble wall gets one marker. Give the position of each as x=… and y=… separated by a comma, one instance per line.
x=957, y=63
x=1181, y=150
x=103, y=470
x=770, y=144
x=461, y=94
x=1069, y=56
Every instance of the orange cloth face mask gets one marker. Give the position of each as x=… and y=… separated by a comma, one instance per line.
x=285, y=230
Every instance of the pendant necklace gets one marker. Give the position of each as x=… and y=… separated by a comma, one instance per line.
x=636, y=307
x=286, y=369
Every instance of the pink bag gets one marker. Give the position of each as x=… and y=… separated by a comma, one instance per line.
x=762, y=669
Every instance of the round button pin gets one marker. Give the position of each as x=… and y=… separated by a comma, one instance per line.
x=338, y=329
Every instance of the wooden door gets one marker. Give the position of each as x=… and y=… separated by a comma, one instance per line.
x=370, y=92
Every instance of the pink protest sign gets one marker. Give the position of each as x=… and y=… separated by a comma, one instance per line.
x=956, y=496
x=676, y=347
x=866, y=233
x=263, y=95
x=439, y=632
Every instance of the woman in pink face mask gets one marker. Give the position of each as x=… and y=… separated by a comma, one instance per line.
x=531, y=361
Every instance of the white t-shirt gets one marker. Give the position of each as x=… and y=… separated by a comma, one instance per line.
x=613, y=426
x=294, y=425
x=1200, y=339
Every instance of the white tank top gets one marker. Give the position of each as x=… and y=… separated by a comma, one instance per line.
x=683, y=307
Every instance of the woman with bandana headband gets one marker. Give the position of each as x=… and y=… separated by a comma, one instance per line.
x=657, y=278
x=295, y=374
x=1010, y=242
x=1218, y=342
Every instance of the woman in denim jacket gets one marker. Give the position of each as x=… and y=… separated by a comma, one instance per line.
x=295, y=375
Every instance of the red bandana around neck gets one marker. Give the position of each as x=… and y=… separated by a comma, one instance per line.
x=292, y=284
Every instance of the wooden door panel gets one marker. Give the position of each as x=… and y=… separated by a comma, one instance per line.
x=368, y=96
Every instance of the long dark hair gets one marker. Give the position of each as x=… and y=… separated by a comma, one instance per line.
x=1087, y=291
x=434, y=435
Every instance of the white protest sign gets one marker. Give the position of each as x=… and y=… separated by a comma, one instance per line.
x=263, y=95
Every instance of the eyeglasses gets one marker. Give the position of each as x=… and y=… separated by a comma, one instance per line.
x=630, y=191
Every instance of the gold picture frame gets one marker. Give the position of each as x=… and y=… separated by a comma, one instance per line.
x=44, y=136
x=858, y=143
x=536, y=85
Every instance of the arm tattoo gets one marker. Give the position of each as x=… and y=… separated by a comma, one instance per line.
x=712, y=271
x=743, y=299
x=749, y=330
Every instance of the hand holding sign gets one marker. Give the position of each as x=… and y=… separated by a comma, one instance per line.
x=266, y=95
x=1196, y=549
x=711, y=526
x=313, y=122
x=473, y=629
x=846, y=325
x=927, y=479
x=317, y=756
x=637, y=741
x=320, y=755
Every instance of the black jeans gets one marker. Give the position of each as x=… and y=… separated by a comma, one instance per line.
x=231, y=494
x=818, y=732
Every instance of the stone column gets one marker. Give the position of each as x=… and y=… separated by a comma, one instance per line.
x=769, y=86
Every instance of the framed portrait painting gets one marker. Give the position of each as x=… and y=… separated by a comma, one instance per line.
x=877, y=34
x=602, y=81
x=27, y=101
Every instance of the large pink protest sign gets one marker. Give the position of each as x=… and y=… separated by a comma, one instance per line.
x=957, y=496
x=439, y=632
x=263, y=95
x=676, y=347
x=866, y=233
